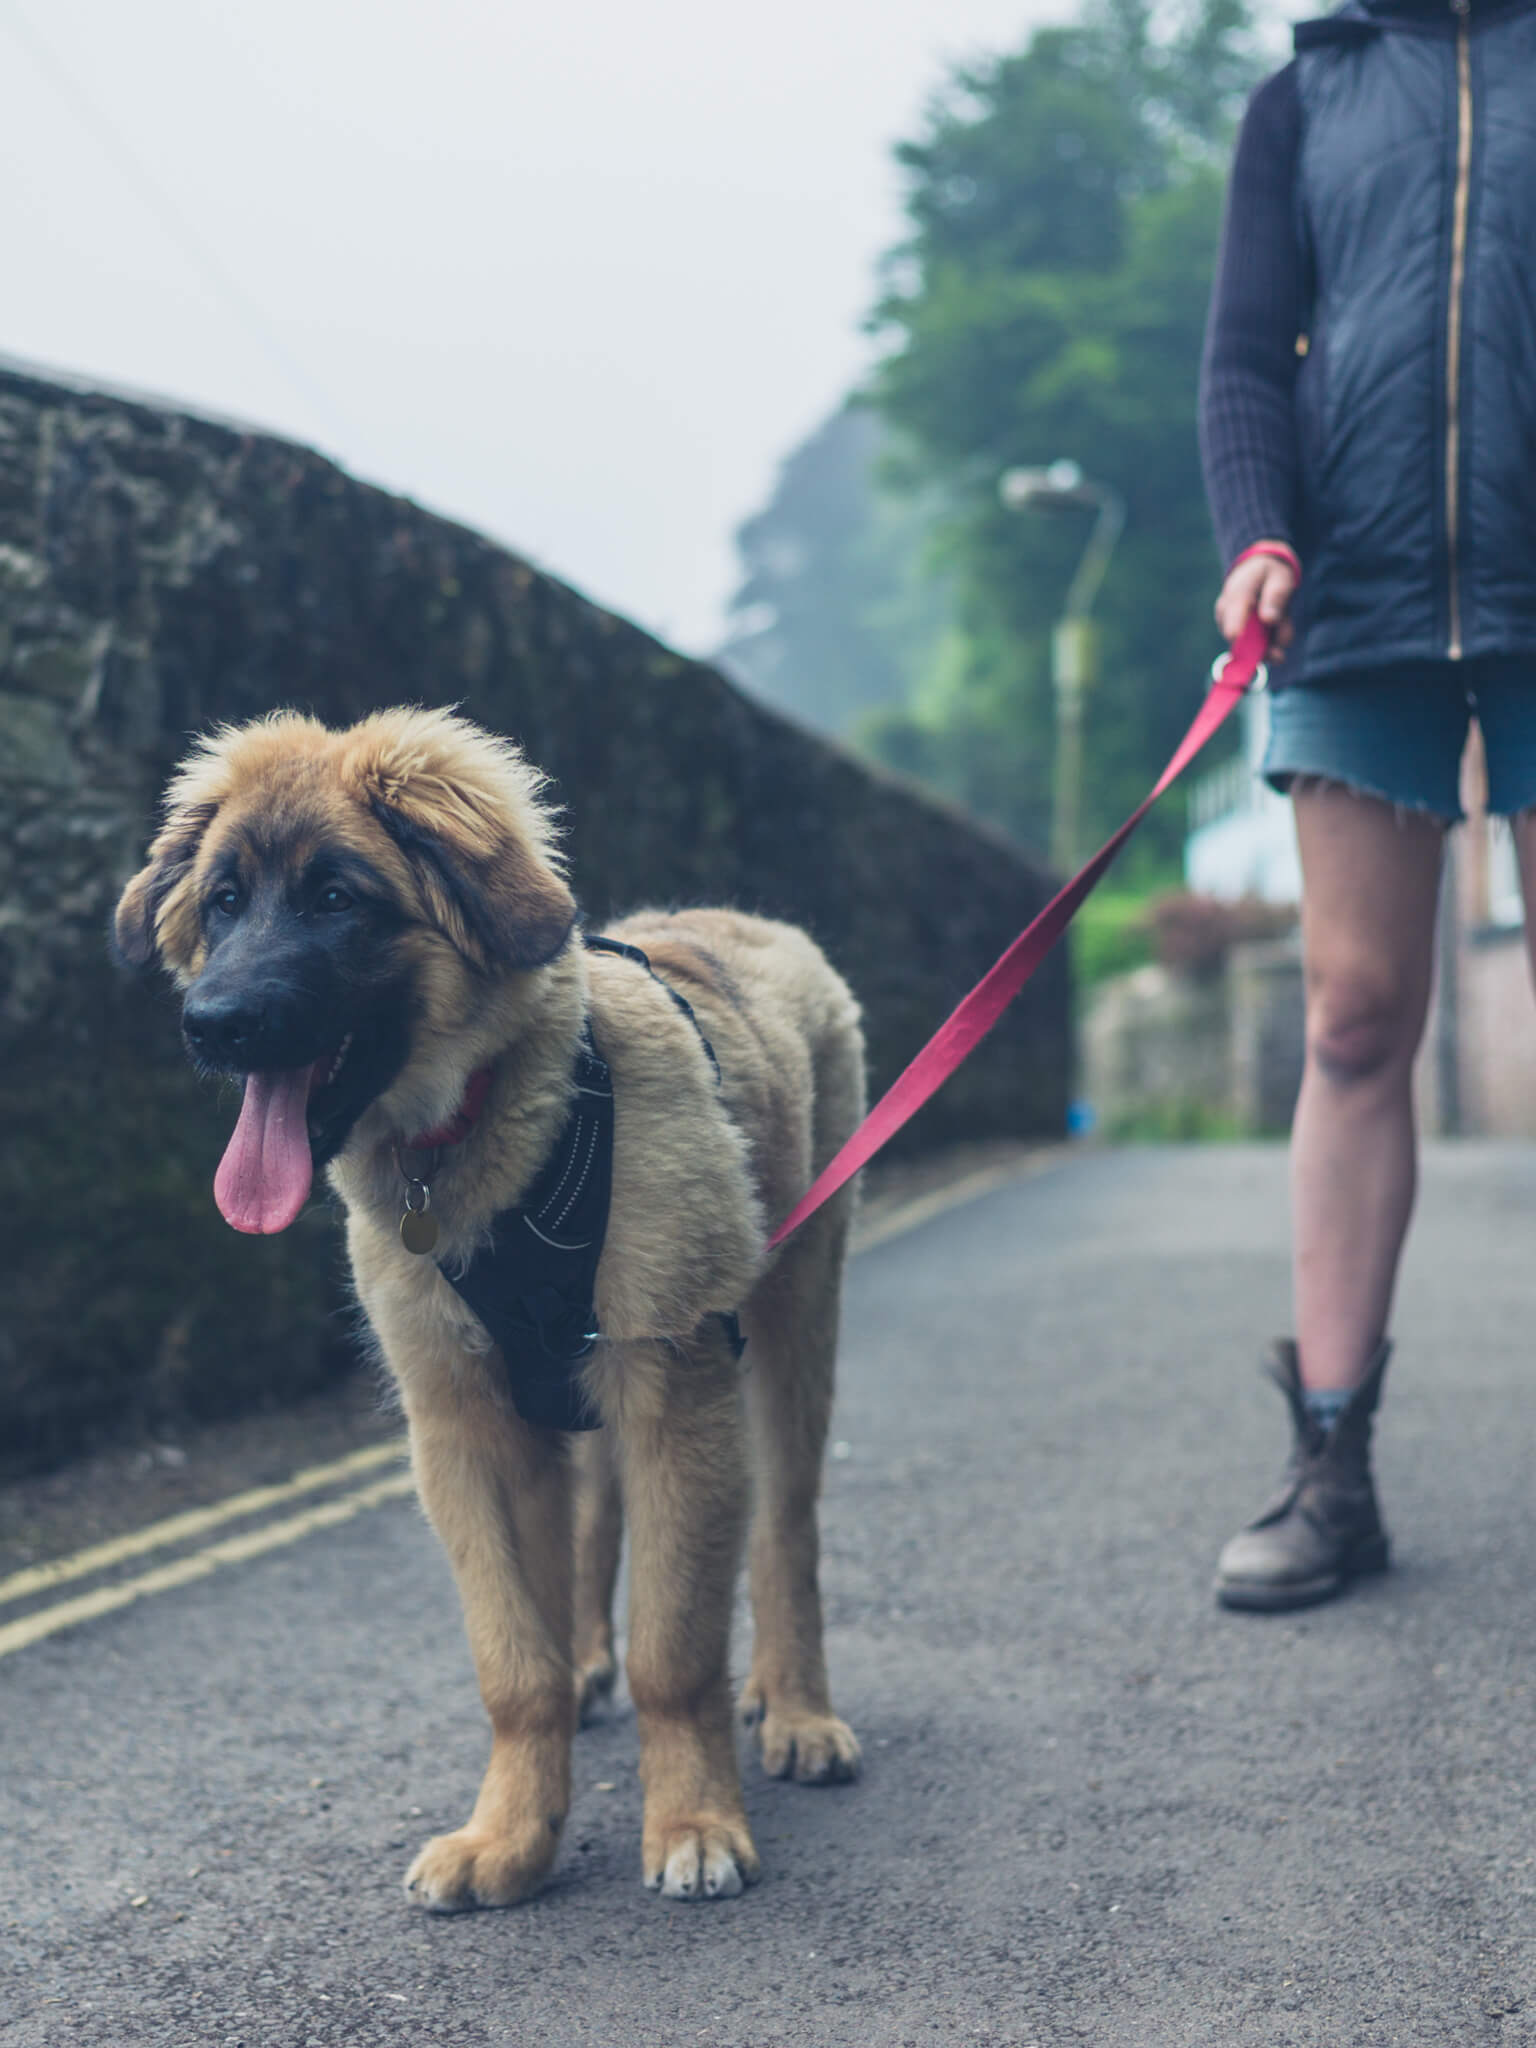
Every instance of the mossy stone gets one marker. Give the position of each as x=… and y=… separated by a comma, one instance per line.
x=186, y=572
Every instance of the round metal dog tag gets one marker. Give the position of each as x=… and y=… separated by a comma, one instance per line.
x=418, y=1231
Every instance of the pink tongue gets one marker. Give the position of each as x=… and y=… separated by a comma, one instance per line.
x=263, y=1179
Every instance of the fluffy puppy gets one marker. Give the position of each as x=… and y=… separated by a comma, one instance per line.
x=374, y=933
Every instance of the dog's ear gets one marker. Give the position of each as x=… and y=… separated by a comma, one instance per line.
x=495, y=899
x=468, y=813
x=156, y=917
x=137, y=937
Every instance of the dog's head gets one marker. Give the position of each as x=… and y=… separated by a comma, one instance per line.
x=329, y=902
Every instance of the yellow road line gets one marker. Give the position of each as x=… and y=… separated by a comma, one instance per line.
x=212, y=1557
x=923, y=1208
x=78, y=1564
x=32, y=1628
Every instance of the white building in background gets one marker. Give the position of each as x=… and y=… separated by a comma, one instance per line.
x=1242, y=839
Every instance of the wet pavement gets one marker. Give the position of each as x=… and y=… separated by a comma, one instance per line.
x=1095, y=1809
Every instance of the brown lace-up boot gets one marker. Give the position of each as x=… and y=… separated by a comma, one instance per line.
x=1323, y=1527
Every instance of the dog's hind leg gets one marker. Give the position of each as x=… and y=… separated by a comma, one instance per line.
x=677, y=1413
x=791, y=1327
x=498, y=1494
x=599, y=1539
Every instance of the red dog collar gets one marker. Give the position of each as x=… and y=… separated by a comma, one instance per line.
x=464, y=1118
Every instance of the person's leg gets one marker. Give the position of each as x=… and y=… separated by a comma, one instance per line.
x=1506, y=710
x=1370, y=874
x=1371, y=762
x=1370, y=877
x=1524, y=829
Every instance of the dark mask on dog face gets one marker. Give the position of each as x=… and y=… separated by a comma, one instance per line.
x=302, y=993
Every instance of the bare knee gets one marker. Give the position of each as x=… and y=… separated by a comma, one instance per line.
x=1361, y=1029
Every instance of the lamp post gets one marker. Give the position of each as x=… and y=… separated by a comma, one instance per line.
x=1072, y=651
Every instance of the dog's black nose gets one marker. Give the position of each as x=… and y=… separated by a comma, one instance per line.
x=221, y=1027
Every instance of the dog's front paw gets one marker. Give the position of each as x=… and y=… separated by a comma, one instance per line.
x=811, y=1747
x=472, y=1867
x=704, y=1859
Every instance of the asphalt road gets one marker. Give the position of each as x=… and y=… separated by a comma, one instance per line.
x=1095, y=1809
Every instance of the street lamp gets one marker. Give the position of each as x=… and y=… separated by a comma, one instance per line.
x=1072, y=653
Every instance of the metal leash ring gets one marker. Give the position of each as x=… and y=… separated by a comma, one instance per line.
x=1260, y=675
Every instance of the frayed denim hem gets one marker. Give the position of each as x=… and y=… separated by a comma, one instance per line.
x=1288, y=781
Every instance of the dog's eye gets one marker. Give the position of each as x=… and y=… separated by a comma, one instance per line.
x=333, y=898
x=225, y=901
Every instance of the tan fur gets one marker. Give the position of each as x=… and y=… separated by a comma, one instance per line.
x=531, y=1521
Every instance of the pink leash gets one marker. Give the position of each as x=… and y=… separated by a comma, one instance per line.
x=958, y=1037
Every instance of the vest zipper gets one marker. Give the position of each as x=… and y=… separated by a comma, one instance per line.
x=1462, y=10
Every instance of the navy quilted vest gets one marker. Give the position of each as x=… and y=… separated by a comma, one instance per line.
x=1416, y=402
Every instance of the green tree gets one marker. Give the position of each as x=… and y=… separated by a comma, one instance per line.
x=1049, y=302
x=838, y=611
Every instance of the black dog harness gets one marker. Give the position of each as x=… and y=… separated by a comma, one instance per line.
x=534, y=1285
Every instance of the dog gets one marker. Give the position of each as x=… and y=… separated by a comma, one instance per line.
x=374, y=932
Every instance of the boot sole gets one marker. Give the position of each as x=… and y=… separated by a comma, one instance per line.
x=1255, y=1596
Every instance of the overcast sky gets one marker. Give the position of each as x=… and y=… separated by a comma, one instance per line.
x=580, y=275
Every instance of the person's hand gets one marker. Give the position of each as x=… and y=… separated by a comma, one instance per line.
x=1262, y=583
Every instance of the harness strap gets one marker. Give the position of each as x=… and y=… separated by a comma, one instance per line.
x=533, y=1285
x=594, y=944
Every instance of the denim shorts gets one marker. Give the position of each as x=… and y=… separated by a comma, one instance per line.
x=1398, y=732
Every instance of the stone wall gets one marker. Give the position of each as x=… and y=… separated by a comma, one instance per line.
x=1210, y=1055
x=160, y=572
